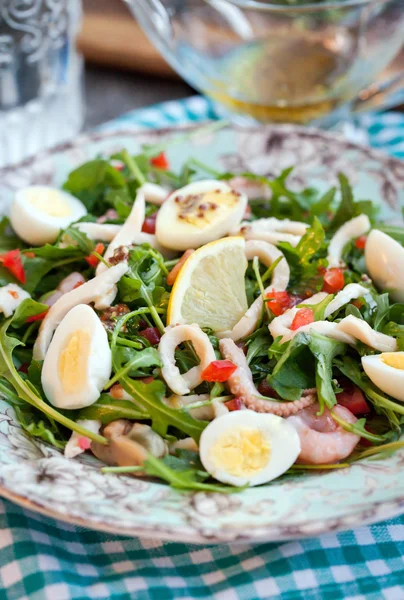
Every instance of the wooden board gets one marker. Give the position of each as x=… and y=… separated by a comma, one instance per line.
x=110, y=36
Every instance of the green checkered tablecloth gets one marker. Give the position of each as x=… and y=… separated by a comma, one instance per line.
x=42, y=559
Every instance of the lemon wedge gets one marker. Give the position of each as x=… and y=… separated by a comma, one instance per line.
x=210, y=288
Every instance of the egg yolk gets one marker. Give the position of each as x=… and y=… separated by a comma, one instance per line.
x=50, y=202
x=393, y=359
x=241, y=452
x=73, y=360
x=200, y=209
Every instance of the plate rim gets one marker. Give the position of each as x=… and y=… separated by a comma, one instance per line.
x=374, y=512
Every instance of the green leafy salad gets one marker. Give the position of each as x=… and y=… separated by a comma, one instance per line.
x=213, y=330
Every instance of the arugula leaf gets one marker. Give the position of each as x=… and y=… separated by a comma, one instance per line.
x=348, y=208
x=80, y=239
x=89, y=182
x=304, y=259
x=27, y=308
x=108, y=409
x=8, y=240
x=134, y=362
x=294, y=371
x=325, y=350
x=26, y=391
x=397, y=331
x=319, y=209
x=37, y=268
x=190, y=479
x=359, y=428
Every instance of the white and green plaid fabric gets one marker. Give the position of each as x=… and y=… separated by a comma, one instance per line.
x=42, y=559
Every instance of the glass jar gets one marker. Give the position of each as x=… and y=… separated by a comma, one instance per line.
x=41, y=100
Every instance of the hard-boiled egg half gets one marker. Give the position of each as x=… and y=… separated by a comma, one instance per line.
x=199, y=213
x=385, y=263
x=387, y=372
x=78, y=362
x=244, y=447
x=38, y=213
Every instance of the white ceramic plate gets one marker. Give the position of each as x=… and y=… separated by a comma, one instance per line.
x=39, y=477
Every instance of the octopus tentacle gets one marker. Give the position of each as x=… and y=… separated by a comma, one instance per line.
x=241, y=385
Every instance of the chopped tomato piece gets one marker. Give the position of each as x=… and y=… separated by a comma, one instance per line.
x=321, y=270
x=84, y=443
x=218, y=371
x=12, y=262
x=304, y=316
x=94, y=260
x=278, y=302
x=149, y=224
x=333, y=281
x=39, y=317
x=358, y=303
x=29, y=254
x=152, y=335
x=266, y=390
x=234, y=404
x=360, y=242
x=353, y=399
x=23, y=368
x=147, y=379
x=160, y=161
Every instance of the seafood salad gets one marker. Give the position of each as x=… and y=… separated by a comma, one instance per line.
x=213, y=330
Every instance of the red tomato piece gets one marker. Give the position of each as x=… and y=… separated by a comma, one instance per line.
x=23, y=368
x=39, y=317
x=160, y=161
x=152, y=335
x=234, y=404
x=278, y=302
x=333, y=281
x=13, y=263
x=353, y=399
x=304, y=316
x=94, y=260
x=358, y=303
x=360, y=242
x=149, y=224
x=147, y=379
x=218, y=371
x=84, y=443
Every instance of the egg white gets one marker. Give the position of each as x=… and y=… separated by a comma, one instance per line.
x=80, y=385
x=178, y=233
x=387, y=378
x=38, y=213
x=384, y=258
x=281, y=436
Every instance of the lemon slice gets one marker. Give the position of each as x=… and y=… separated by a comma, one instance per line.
x=210, y=288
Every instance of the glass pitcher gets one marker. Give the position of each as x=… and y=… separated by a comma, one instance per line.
x=286, y=60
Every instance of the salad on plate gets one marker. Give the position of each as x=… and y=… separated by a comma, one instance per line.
x=213, y=330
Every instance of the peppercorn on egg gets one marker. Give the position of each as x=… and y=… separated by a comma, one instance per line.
x=199, y=213
x=244, y=447
x=78, y=362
